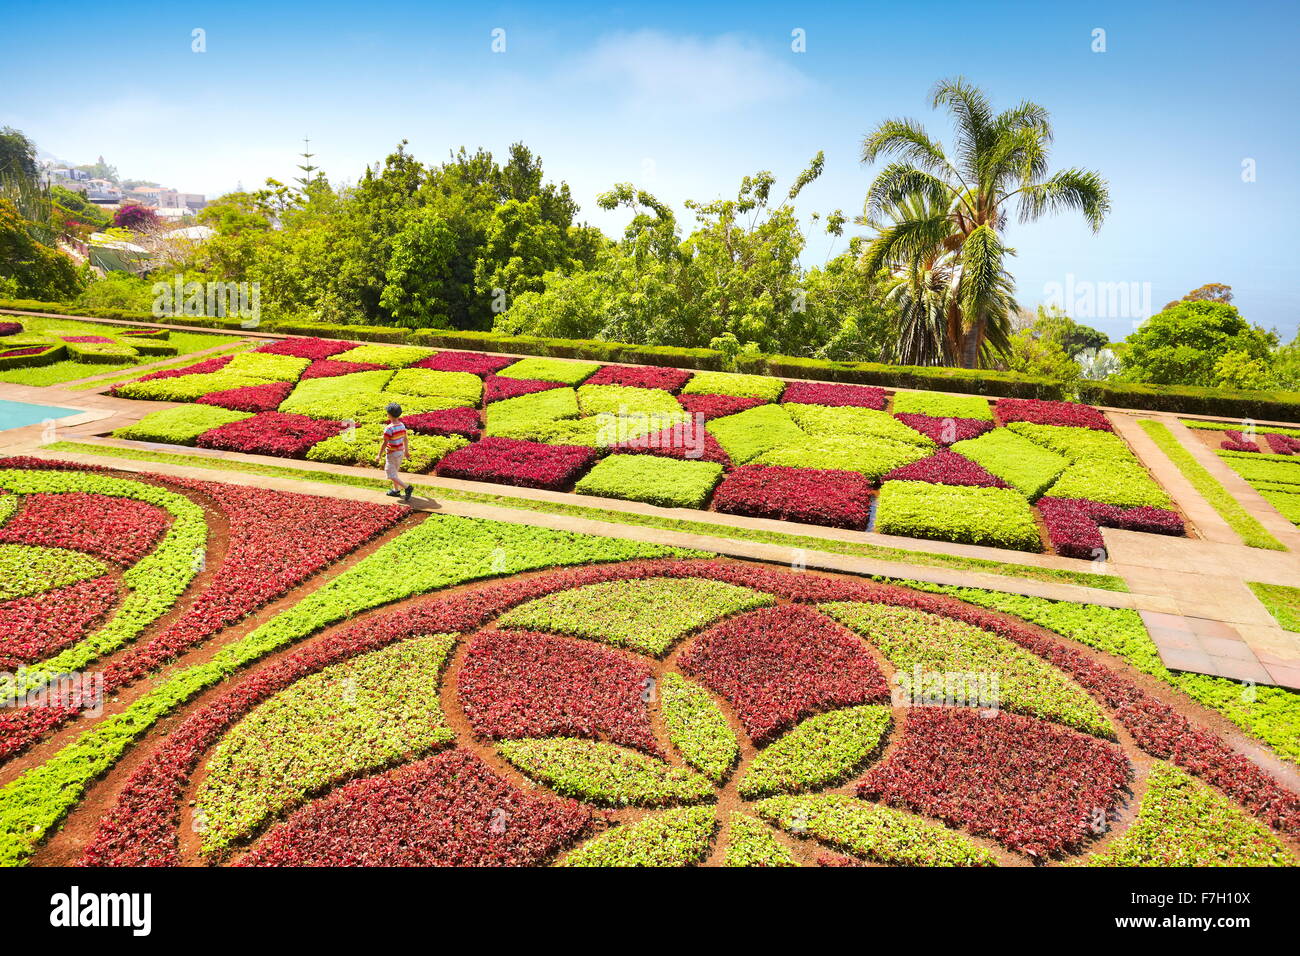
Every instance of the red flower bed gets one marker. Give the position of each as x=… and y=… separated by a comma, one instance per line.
x=1035, y=787
x=271, y=433
x=641, y=376
x=947, y=468
x=1283, y=444
x=838, y=499
x=1041, y=412
x=121, y=530
x=510, y=461
x=277, y=540
x=198, y=368
x=497, y=387
x=449, y=421
x=29, y=350
x=525, y=684
x=329, y=368
x=142, y=827
x=34, y=628
x=717, y=406
x=779, y=665
x=944, y=431
x=1074, y=524
x=10, y=328
x=689, y=441
x=1236, y=441
x=438, y=812
x=87, y=339
x=835, y=396
x=309, y=348
x=477, y=363
x=250, y=398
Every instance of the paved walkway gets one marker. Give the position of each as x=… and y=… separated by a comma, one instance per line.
x=1191, y=592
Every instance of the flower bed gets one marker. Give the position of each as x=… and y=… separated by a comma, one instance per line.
x=667, y=482
x=835, y=396
x=271, y=433
x=689, y=441
x=626, y=400
x=1024, y=465
x=38, y=626
x=834, y=498
x=360, y=446
x=642, y=376
x=947, y=468
x=943, y=405
x=821, y=751
x=448, y=422
x=604, y=774
x=117, y=529
x=332, y=368
x=308, y=348
x=996, y=517
x=1038, y=412
x=496, y=387
x=250, y=398
x=273, y=367
x=945, y=431
x=740, y=386
x=467, y=389
x=506, y=461
x=717, y=406
x=389, y=356
x=185, y=386
x=181, y=425
x=550, y=370
x=748, y=434
x=1074, y=524
x=476, y=363
x=872, y=459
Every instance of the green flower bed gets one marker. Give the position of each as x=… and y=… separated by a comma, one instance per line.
x=1102, y=467
x=393, y=356
x=1252, y=533
x=551, y=370
x=466, y=388
x=874, y=459
x=526, y=411
x=1282, y=602
x=187, y=388
x=264, y=365
x=995, y=517
x=918, y=643
x=597, y=431
x=1253, y=466
x=739, y=386
x=1287, y=503
x=822, y=750
x=1238, y=426
x=941, y=405
x=697, y=727
x=874, y=832
x=360, y=446
x=752, y=843
x=603, y=773
x=27, y=569
x=180, y=425
x=348, y=719
x=1182, y=822
x=1025, y=465
x=667, y=482
x=672, y=838
x=858, y=423
x=649, y=615
x=624, y=400
x=748, y=434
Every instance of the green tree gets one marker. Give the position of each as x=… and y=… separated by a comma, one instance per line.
x=1053, y=325
x=961, y=218
x=1182, y=345
x=17, y=155
x=1210, y=292
x=31, y=269
x=419, y=279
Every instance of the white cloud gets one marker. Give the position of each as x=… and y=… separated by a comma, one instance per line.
x=651, y=70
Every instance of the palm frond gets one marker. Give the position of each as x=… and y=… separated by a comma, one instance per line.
x=1080, y=189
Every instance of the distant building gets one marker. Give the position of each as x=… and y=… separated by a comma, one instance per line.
x=172, y=213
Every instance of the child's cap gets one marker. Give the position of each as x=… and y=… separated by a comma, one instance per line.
x=394, y=410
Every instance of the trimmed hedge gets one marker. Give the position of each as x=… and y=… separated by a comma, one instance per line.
x=1277, y=405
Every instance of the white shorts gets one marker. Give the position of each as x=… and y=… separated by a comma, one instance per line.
x=393, y=463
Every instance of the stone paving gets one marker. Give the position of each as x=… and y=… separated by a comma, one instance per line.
x=1191, y=592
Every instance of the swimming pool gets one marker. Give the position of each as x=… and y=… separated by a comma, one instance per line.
x=18, y=414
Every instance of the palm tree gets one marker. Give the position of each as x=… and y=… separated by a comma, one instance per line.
x=944, y=233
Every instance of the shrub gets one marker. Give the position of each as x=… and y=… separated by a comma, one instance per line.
x=939, y=405
x=740, y=386
x=996, y=517
x=271, y=433
x=837, y=499
x=752, y=843
x=1277, y=405
x=668, y=482
x=748, y=434
x=180, y=425
x=1026, y=466
x=528, y=464
x=550, y=370
x=360, y=446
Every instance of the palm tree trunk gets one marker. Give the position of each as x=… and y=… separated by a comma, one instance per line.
x=970, y=347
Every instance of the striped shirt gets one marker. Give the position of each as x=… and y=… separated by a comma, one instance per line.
x=394, y=437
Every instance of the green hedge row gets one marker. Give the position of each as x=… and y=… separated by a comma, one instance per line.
x=1190, y=400
x=49, y=357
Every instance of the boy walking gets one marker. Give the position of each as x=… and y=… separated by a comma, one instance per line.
x=393, y=452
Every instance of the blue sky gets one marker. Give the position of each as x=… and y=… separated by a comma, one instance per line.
x=685, y=99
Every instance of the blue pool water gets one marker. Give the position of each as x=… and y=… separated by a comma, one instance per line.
x=18, y=414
